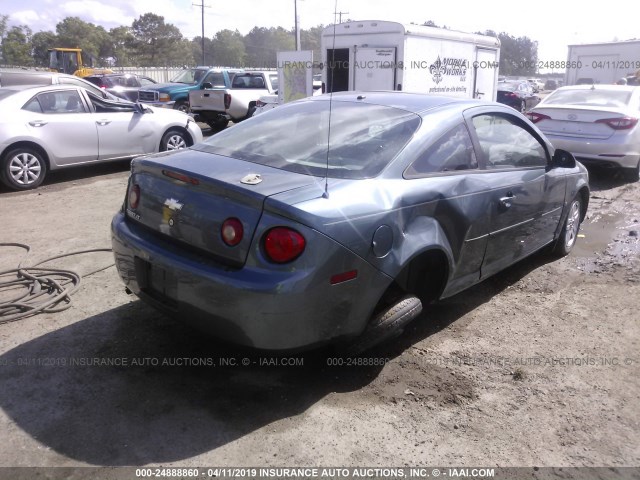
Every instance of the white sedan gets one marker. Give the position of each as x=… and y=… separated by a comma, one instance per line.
x=57, y=126
x=598, y=124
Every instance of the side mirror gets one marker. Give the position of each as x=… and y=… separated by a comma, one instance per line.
x=139, y=108
x=206, y=86
x=563, y=159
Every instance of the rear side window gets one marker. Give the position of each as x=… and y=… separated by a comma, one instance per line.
x=453, y=151
x=58, y=102
x=506, y=144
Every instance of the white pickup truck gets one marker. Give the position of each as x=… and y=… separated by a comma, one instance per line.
x=217, y=107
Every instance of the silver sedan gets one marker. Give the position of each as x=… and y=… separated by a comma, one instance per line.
x=598, y=124
x=57, y=126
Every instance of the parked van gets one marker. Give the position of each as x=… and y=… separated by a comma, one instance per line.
x=381, y=55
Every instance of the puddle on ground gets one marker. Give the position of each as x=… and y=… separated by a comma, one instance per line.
x=597, y=232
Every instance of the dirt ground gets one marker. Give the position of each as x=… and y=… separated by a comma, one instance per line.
x=537, y=366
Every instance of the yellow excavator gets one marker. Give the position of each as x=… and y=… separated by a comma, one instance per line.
x=69, y=60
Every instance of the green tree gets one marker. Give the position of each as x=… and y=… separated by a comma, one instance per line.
x=4, y=19
x=196, y=49
x=41, y=42
x=122, y=46
x=157, y=43
x=518, y=56
x=73, y=32
x=228, y=49
x=310, y=40
x=16, y=46
x=263, y=44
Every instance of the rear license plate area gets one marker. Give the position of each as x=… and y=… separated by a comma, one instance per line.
x=157, y=282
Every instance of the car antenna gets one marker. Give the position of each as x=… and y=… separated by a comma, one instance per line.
x=333, y=56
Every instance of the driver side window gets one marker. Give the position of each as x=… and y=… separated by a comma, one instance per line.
x=506, y=144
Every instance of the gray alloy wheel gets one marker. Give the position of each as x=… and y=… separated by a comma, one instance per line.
x=173, y=140
x=570, y=230
x=23, y=169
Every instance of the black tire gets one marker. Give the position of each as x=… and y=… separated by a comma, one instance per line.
x=218, y=124
x=23, y=168
x=632, y=174
x=250, y=112
x=387, y=324
x=182, y=106
x=570, y=229
x=174, y=140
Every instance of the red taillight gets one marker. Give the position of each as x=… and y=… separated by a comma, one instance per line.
x=621, y=123
x=283, y=244
x=134, y=196
x=227, y=100
x=536, y=117
x=232, y=231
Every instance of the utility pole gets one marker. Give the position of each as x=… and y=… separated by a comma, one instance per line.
x=202, y=5
x=295, y=12
x=340, y=15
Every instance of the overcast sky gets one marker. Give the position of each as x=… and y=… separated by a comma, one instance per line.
x=554, y=24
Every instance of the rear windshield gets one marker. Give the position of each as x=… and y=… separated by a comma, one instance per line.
x=294, y=137
x=590, y=97
x=508, y=87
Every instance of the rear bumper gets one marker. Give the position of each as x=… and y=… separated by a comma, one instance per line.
x=272, y=309
x=598, y=152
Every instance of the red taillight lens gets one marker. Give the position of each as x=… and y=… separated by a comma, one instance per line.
x=232, y=231
x=283, y=244
x=536, y=117
x=227, y=100
x=621, y=123
x=134, y=196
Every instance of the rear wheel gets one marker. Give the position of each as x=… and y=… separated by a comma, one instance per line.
x=632, y=174
x=570, y=230
x=388, y=323
x=23, y=169
x=173, y=140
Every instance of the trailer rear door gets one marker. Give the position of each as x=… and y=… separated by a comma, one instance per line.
x=374, y=68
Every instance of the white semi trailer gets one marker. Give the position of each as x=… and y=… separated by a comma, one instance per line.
x=381, y=55
x=602, y=62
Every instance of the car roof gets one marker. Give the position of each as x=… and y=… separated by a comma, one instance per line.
x=412, y=102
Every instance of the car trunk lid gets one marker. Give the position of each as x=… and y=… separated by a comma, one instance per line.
x=186, y=196
x=576, y=121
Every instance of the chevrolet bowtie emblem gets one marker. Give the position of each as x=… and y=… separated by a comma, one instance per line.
x=173, y=204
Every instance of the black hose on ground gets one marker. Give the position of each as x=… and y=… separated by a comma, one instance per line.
x=40, y=290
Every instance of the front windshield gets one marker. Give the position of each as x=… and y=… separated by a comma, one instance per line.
x=294, y=137
x=190, y=76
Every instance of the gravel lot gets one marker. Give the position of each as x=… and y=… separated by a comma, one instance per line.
x=535, y=366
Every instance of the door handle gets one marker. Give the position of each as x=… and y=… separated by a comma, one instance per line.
x=205, y=95
x=37, y=123
x=103, y=122
x=505, y=202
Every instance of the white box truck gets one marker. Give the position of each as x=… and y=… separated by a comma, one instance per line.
x=381, y=55
x=602, y=62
